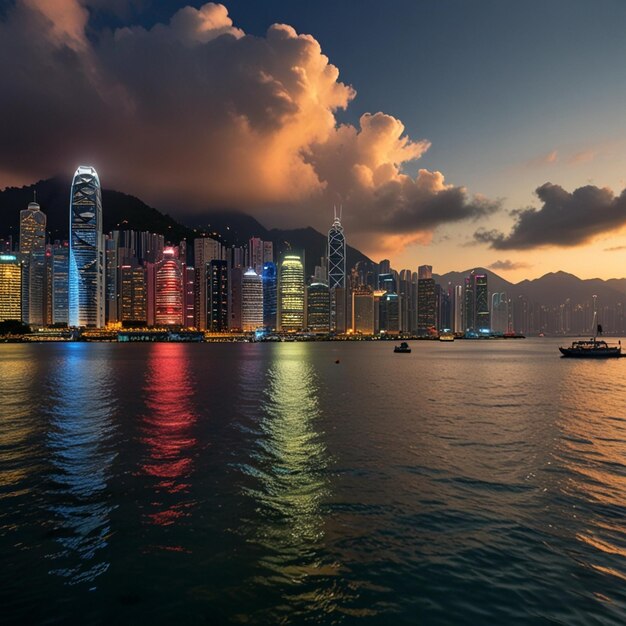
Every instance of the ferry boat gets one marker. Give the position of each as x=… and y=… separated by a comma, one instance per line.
x=403, y=348
x=593, y=348
x=446, y=337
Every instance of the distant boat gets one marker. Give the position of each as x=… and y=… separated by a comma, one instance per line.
x=446, y=337
x=402, y=348
x=593, y=348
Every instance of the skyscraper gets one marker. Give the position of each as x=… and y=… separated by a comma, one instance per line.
x=10, y=287
x=318, y=308
x=60, y=284
x=32, y=249
x=86, y=257
x=337, y=275
x=251, y=301
x=483, y=318
x=269, y=295
x=217, y=294
x=291, y=294
x=363, y=311
x=168, y=292
x=133, y=306
x=205, y=251
x=426, y=300
x=259, y=253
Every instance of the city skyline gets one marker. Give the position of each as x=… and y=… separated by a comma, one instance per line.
x=422, y=175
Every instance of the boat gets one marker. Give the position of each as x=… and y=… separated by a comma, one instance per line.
x=403, y=348
x=446, y=337
x=592, y=348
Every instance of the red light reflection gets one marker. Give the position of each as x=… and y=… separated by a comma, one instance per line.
x=168, y=429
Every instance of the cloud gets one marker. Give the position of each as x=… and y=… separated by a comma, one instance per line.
x=195, y=113
x=615, y=249
x=584, y=156
x=550, y=158
x=565, y=219
x=506, y=265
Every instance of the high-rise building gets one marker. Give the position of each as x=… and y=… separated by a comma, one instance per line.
x=251, y=301
x=235, y=279
x=10, y=287
x=318, y=308
x=363, y=321
x=86, y=256
x=483, y=318
x=458, y=309
x=291, y=294
x=269, y=295
x=500, y=313
x=205, y=251
x=133, y=308
x=32, y=249
x=389, y=313
x=190, y=297
x=337, y=276
x=469, y=304
x=168, y=290
x=111, y=282
x=426, y=300
x=217, y=293
x=60, y=284
x=259, y=253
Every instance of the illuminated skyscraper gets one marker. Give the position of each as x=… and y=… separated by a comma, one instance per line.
x=259, y=253
x=86, y=257
x=363, y=311
x=291, y=294
x=205, y=251
x=318, y=308
x=10, y=287
x=426, y=300
x=483, y=318
x=217, y=293
x=251, y=301
x=32, y=248
x=269, y=295
x=169, y=300
x=60, y=284
x=133, y=308
x=337, y=275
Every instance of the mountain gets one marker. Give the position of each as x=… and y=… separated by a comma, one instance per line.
x=550, y=289
x=126, y=212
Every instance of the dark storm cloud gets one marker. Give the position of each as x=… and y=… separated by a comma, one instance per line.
x=194, y=113
x=565, y=219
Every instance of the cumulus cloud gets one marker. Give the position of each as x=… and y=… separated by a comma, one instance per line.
x=564, y=219
x=195, y=114
x=506, y=265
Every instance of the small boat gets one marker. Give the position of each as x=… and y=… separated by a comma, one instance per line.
x=593, y=348
x=403, y=348
x=446, y=337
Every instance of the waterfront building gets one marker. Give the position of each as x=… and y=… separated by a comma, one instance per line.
x=291, y=294
x=32, y=249
x=384, y=267
x=426, y=300
x=270, y=281
x=168, y=290
x=251, y=301
x=111, y=281
x=10, y=287
x=235, y=278
x=500, y=314
x=469, y=307
x=60, y=283
x=483, y=317
x=458, y=309
x=133, y=310
x=389, y=314
x=363, y=318
x=318, y=307
x=86, y=255
x=190, y=301
x=205, y=251
x=217, y=292
x=336, y=253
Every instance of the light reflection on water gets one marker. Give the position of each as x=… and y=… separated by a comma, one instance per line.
x=82, y=404
x=167, y=432
x=470, y=483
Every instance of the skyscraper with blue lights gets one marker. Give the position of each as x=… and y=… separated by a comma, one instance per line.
x=86, y=257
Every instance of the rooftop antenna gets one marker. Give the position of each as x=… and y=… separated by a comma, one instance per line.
x=34, y=195
x=340, y=211
x=335, y=210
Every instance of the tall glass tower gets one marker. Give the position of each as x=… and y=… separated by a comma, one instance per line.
x=337, y=275
x=86, y=259
x=291, y=294
x=269, y=295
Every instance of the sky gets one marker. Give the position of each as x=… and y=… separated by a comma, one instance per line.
x=456, y=134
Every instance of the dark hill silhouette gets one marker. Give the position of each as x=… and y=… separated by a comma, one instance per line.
x=125, y=212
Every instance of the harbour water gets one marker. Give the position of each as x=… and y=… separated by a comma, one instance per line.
x=466, y=483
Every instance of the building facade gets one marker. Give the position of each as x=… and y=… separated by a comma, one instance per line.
x=291, y=294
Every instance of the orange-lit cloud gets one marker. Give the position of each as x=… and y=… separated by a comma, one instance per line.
x=506, y=265
x=196, y=114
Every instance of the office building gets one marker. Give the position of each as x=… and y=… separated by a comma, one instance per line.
x=318, y=308
x=217, y=293
x=270, y=295
x=168, y=290
x=251, y=301
x=336, y=253
x=291, y=294
x=10, y=287
x=86, y=255
x=133, y=309
x=363, y=318
x=426, y=300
